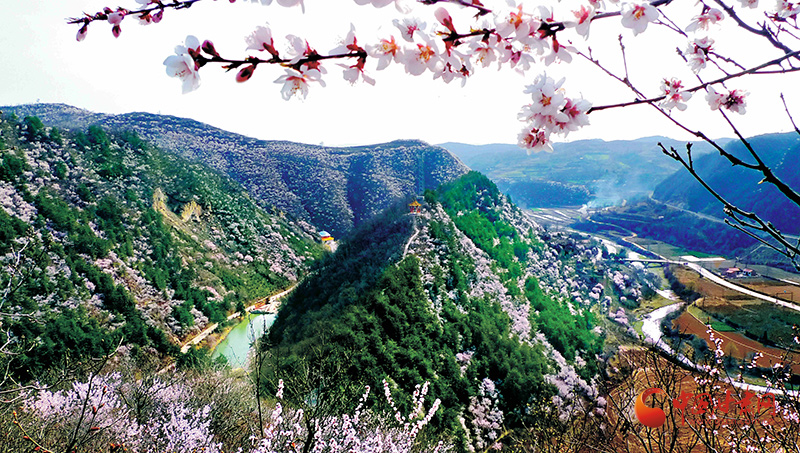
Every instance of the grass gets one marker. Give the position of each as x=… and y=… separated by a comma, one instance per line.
x=697, y=254
x=637, y=325
x=655, y=303
x=706, y=318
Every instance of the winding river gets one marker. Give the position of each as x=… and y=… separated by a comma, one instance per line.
x=240, y=339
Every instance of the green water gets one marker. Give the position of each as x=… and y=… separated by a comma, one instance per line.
x=240, y=339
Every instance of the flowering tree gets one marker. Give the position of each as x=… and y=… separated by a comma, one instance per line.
x=471, y=35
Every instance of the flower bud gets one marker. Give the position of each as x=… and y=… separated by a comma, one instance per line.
x=443, y=16
x=245, y=73
x=82, y=33
x=208, y=47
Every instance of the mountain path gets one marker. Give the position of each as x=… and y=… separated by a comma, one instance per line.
x=413, y=236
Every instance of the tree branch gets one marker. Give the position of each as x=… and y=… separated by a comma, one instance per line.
x=785, y=107
x=753, y=70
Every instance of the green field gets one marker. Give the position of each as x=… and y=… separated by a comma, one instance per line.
x=765, y=322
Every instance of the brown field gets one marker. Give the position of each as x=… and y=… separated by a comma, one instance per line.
x=721, y=300
x=698, y=432
x=707, y=288
x=784, y=291
x=737, y=345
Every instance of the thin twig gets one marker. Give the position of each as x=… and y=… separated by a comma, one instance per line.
x=785, y=107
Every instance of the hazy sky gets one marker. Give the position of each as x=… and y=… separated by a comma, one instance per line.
x=43, y=62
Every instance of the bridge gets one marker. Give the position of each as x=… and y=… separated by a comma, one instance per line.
x=647, y=261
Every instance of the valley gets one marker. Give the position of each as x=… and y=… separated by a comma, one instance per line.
x=147, y=245
x=750, y=314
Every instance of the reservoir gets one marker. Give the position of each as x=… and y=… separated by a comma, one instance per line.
x=240, y=339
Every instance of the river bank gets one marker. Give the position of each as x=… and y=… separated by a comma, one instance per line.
x=238, y=340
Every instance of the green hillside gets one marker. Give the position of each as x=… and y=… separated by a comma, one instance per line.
x=484, y=297
x=741, y=186
x=333, y=188
x=107, y=240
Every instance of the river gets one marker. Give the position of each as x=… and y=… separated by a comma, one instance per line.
x=240, y=339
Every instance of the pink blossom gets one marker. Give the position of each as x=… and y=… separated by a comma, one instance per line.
x=245, y=73
x=385, y=51
x=547, y=96
x=487, y=418
x=787, y=9
x=356, y=71
x=551, y=111
x=516, y=23
x=444, y=18
x=518, y=58
x=485, y=50
x=697, y=53
x=752, y=4
x=636, y=16
x=261, y=39
x=576, y=116
x=183, y=65
x=408, y=27
x=453, y=65
x=705, y=20
x=534, y=139
x=733, y=101
x=299, y=49
x=145, y=19
x=115, y=18
x=82, y=33
x=425, y=56
x=296, y=82
x=583, y=18
x=674, y=96
x=559, y=53
x=349, y=44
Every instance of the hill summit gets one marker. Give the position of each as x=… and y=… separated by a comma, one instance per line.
x=334, y=188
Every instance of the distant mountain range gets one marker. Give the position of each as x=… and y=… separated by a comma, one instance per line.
x=333, y=188
x=587, y=171
x=740, y=186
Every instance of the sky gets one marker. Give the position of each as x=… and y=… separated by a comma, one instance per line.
x=43, y=62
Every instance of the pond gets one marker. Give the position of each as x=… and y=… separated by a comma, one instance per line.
x=240, y=339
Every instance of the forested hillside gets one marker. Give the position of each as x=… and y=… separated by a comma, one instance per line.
x=107, y=240
x=333, y=188
x=505, y=320
x=739, y=185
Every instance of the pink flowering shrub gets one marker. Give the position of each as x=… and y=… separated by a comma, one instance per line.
x=158, y=414
x=103, y=410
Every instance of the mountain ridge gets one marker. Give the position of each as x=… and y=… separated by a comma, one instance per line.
x=335, y=188
x=739, y=185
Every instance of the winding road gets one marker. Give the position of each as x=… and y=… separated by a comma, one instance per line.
x=726, y=283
